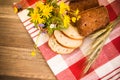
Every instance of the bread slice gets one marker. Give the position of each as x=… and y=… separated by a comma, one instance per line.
x=72, y=32
x=56, y=47
x=66, y=41
x=92, y=20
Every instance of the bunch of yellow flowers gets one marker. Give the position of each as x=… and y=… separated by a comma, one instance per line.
x=52, y=16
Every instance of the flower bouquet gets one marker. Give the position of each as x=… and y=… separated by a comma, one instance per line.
x=49, y=15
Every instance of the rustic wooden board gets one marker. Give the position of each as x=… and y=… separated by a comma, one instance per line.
x=16, y=62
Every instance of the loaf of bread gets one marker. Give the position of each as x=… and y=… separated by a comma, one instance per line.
x=92, y=19
x=83, y=4
x=56, y=47
x=72, y=32
x=66, y=41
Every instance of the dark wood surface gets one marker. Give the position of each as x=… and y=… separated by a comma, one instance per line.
x=16, y=62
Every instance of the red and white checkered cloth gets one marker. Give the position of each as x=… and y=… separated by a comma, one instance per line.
x=69, y=67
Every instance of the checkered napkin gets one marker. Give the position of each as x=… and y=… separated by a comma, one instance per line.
x=70, y=66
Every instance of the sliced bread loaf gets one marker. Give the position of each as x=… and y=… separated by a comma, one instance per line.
x=66, y=41
x=72, y=32
x=56, y=47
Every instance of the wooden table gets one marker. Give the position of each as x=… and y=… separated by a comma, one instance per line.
x=16, y=62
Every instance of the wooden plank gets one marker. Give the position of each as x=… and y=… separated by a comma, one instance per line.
x=19, y=78
x=16, y=62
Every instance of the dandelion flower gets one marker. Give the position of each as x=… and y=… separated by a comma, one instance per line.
x=47, y=11
x=76, y=12
x=66, y=21
x=40, y=5
x=35, y=18
x=74, y=19
x=63, y=8
x=33, y=53
x=78, y=17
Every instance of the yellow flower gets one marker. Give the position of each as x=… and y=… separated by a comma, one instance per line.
x=33, y=53
x=47, y=10
x=66, y=21
x=41, y=21
x=15, y=9
x=35, y=17
x=76, y=12
x=78, y=17
x=74, y=19
x=40, y=5
x=63, y=7
x=36, y=10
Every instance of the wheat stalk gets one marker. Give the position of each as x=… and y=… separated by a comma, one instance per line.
x=100, y=38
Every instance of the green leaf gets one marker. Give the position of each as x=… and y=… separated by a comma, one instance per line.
x=50, y=30
x=30, y=11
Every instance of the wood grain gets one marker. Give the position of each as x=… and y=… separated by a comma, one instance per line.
x=16, y=63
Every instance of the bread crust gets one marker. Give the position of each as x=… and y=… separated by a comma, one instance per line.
x=66, y=41
x=72, y=32
x=82, y=5
x=92, y=19
x=56, y=47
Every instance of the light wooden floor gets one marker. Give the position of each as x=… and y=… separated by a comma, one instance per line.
x=16, y=63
